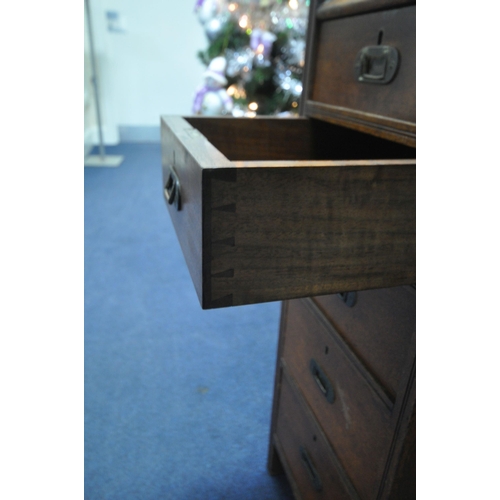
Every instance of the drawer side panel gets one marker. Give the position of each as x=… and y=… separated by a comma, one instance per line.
x=188, y=220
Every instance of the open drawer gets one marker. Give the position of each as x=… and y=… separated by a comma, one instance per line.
x=270, y=209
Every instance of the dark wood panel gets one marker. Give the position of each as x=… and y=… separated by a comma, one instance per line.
x=310, y=55
x=334, y=142
x=274, y=465
x=340, y=8
x=379, y=327
x=259, y=138
x=292, y=139
x=379, y=126
x=357, y=422
x=288, y=232
x=298, y=434
x=339, y=42
x=404, y=484
x=399, y=482
x=181, y=145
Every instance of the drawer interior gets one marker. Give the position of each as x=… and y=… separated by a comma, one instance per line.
x=293, y=139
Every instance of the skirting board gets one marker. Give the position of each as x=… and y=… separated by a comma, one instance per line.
x=103, y=161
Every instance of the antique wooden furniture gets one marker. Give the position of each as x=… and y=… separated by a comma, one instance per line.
x=319, y=211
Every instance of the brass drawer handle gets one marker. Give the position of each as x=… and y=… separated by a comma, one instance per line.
x=319, y=376
x=376, y=64
x=172, y=189
x=311, y=470
x=349, y=298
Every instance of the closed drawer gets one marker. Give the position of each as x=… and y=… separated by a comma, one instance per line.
x=344, y=399
x=364, y=69
x=304, y=451
x=379, y=326
x=271, y=209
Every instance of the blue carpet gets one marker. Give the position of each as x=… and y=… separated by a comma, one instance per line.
x=177, y=399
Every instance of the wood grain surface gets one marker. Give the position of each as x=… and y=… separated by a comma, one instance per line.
x=331, y=90
x=297, y=430
x=259, y=138
x=256, y=231
x=380, y=126
x=379, y=328
x=339, y=43
x=184, y=148
x=284, y=232
x=358, y=424
x=331, y=9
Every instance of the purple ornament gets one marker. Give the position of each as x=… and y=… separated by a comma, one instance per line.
x=261, y=42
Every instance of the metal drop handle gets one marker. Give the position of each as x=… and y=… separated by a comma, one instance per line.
x=376, y=64
x=322, y=381
x=172, y=190
x=349, y=298
x=311, y=470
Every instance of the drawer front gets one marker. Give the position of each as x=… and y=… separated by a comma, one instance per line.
x=379, y=326
x=355, y=419
x=352, y=71
x=305, y=452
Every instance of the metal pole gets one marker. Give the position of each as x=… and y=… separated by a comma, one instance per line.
x=94, y=80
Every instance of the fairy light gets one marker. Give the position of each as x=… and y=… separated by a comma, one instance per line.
x=243, y=21
x=232, y=7
x=294, y=104
x=253, y=106
x=294, y=4
x=260, y=49
x=236, y=92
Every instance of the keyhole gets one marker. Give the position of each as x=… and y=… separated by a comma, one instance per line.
x=380, y=35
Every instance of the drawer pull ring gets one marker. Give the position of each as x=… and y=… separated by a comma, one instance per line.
x=311, y=470
x=376, y=64
x=325, y=386
x=172, y=190
x=349, y=298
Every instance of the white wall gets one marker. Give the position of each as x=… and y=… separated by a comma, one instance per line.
x=152, y=68
x=90, y=119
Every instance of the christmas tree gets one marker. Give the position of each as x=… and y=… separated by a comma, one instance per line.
x=254, y=58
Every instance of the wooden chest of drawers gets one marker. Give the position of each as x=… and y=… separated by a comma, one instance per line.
x=364, y=419
x=346, y=362
x=319, y=211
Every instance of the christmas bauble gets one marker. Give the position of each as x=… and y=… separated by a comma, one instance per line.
x=207, y=10
x=213, y=28
x=216, y=103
